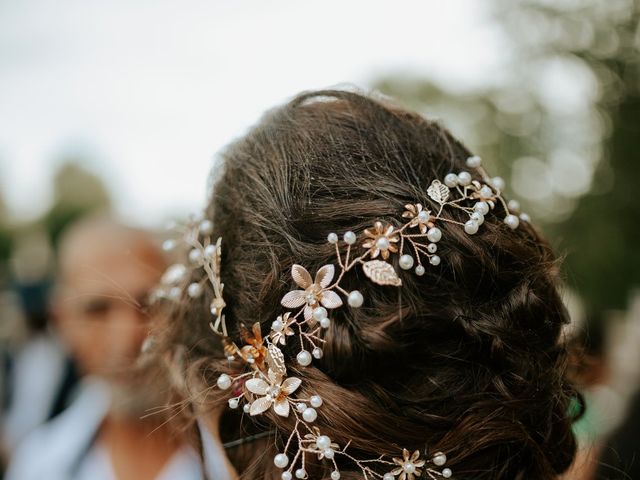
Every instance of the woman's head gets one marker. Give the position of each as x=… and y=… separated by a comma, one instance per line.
x=466, y=359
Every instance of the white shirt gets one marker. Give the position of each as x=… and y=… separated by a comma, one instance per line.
x=64, y=448
x=38, y=371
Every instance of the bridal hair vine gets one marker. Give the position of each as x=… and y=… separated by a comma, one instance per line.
x=264, y=383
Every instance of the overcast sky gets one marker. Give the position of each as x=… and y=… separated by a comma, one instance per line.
x=152, y=89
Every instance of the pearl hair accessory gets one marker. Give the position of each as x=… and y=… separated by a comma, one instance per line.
x=264, y=384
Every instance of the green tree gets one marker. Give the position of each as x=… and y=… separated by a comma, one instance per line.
x=563, y=125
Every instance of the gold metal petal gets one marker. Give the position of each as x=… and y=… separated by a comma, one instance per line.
x=281, y=407
x=260, y=405
x=438, y=192
x=301, y=276
x=257, y=386
x=294, y=299
x=308, y=313
x=290, y=385
x=415, y=456
x=381, y=273
x=330, y=299
x=325, y=275
x=275, y=360
x=257, y=332
x=274, y=377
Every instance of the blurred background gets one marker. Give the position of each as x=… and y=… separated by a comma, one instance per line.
x=120, y=107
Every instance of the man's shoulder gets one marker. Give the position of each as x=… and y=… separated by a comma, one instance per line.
x=53, y=448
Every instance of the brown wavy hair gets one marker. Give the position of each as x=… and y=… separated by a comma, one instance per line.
x=468, y=359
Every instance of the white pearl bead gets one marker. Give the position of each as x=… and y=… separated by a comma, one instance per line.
x=512, y=221
x=194, y=290
x=317, y=353
x=168, y=245
x=439, y=459
x=486, y=192
x=409, y=467
x=332, y=238
x=304, y=358
x=382, y=243
x=233, y=403
x=286, y=476
x=329, y=453
x=419, y=270
x=477, y=217
x=423, y=216
x=323, y=442
x=481, y=207
x=514, y=206
x=335, y=475
x=349, y=238
x=246, y=408
x=325, y=323
x=281, y=460
x=388, y=476
x=195, y=256
x=451, y=180
x=471, y=227
x=434, y=234
x=525, y=217
x=432, y=248
x=406, y=262
x=210, y=251
x=319, y=313
x=310, y=415
x=277, y=325
x=206, y=227
x=446, y=473
x=175, y=293
x=434, y=260
x=301, y=407
x=498, y=183
x=474, y=162
x=301, y=473
x=224, y=381
x=355, y=299
x=315, y=401
x=464, y=178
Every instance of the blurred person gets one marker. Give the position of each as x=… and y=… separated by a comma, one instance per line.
x=620, y=458
x=105, y=273
x=374, y=307
x=37, y=375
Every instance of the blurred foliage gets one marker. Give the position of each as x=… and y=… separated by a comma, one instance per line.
x=5, y=236
x=76, y=192
x=562, y=120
